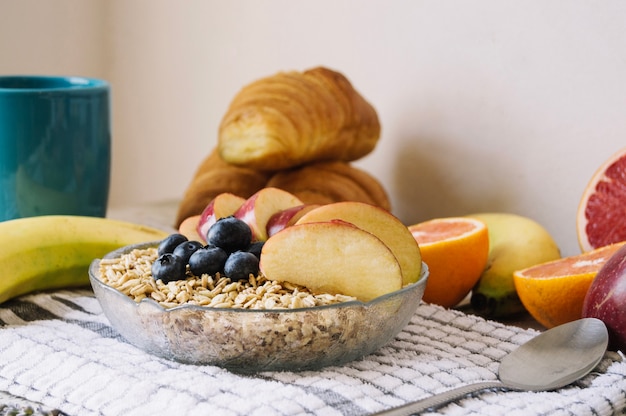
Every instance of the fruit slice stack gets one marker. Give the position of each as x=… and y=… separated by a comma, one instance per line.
x=350, y=248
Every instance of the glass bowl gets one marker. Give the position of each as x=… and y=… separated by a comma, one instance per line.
x=253, y=340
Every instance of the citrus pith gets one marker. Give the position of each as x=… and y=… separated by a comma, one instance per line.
x=553, y=292
x=456, y=250
x=601, y=217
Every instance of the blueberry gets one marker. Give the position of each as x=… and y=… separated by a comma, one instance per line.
x=168, y=267
x=170, y=242
x=240, y=265
x=230, y=233
x=255, y=248
x=207, y=261
x=186, y=249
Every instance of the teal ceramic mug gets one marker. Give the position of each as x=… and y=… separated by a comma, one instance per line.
x=55, y=146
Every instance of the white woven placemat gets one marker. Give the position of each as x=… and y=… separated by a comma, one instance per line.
x=58, y=349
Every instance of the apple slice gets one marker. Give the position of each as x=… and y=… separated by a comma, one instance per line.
x=189, y=228
x=287, y=218
x=223, y=205
x=332, y=257
x=382, y=224
x=257, y=210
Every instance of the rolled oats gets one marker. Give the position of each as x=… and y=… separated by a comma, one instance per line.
x=131, y=274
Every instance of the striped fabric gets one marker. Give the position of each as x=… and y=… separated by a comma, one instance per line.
x=57, y=349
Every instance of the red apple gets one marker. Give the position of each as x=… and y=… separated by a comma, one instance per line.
x=287, y=218
x=257, y=210
x=606, y=299
x=189, y=228
x=332, y=257
x=223, y=205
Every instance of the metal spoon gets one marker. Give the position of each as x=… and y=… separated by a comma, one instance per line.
x=552, y=359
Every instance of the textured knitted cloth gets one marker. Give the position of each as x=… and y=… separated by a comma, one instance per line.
x=59, y=350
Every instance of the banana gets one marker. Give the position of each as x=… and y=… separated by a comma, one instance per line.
x=55, y=251
x=516, y=242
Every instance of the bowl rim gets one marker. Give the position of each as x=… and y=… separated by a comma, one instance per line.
x=93, y=277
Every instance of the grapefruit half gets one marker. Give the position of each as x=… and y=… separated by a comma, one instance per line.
x=601, y=217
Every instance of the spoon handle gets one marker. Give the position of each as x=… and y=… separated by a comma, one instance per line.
x=439, y=399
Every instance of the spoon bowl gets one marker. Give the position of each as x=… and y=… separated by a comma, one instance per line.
x=552, y=359
x=556, y=357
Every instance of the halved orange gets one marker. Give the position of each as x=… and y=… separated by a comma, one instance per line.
x=553, y=292
x=601, y=217
x=456, y=250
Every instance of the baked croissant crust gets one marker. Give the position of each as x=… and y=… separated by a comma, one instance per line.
x=213, y=177
x=328, y=182
x=295, y=118
x=316, y=183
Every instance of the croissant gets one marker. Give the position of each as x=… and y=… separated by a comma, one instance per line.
x=316, y=183
x=328, y=182
x=213, y=177
x=294, y=118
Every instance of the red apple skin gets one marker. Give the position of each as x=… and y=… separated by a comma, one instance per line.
x=207, y=218
x=246, y=213
x=222, y=205
x=606, y=299
x=287, y=218
x=258, y=209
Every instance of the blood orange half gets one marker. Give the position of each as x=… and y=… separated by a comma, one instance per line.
x=601, y=218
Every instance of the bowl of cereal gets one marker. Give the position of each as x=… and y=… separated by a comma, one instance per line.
x=244, y=326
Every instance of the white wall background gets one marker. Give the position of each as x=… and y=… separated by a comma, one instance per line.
x=485, y=105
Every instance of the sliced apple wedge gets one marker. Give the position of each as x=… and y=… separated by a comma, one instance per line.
x=382, y=224
x=332, y=257
x=257, y=210
x=189, y=228
x=287, y=218
x=223, y=205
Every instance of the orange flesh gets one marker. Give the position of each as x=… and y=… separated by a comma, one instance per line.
x=442, y=230
x=589, y=262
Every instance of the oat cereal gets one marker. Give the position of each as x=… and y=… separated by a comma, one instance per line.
x=131, y=274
